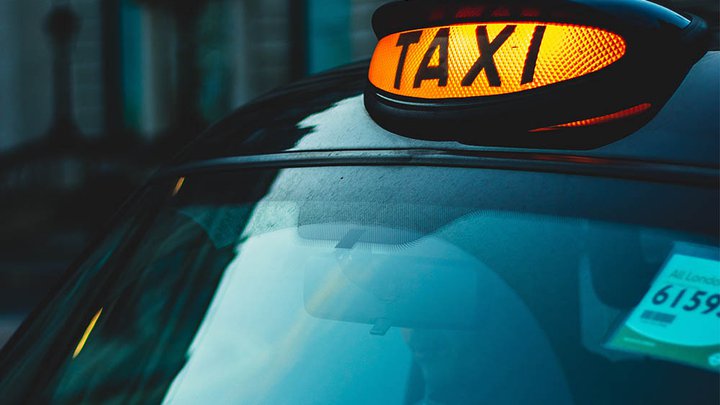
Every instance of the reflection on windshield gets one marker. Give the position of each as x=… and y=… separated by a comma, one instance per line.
x=339, y=298
x=283, y=338
x=259, y=328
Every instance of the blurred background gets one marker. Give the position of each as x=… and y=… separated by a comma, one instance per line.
x=96, y=94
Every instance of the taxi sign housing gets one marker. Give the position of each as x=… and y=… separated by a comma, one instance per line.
x=639, y=52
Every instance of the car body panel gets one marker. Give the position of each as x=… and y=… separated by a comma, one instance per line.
x=327, y=113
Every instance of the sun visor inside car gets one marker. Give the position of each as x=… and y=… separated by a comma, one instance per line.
x=391, y=291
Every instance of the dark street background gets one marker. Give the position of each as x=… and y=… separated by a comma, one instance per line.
x=96, y=94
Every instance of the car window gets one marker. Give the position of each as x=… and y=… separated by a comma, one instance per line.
x=320, y=285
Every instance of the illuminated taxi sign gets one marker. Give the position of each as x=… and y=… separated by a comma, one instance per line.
x=573, y=74
x=475, y=60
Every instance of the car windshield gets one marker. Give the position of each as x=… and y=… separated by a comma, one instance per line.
x=393, y=285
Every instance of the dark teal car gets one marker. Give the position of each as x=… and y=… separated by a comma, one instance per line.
x=301, y=253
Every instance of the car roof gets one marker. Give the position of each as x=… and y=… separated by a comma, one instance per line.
x=326, y=113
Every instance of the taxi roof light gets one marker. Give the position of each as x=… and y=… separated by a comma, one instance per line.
x=485, y=73
x=470, y=60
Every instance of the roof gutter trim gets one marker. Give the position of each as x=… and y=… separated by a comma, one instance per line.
x=660, y=172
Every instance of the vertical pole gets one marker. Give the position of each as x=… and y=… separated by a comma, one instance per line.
x=111, y=69
x=62, y=25
x=189, y=117
x=298, y=38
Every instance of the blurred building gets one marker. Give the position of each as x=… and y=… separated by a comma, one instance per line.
x=140, y=66
x=95, y=94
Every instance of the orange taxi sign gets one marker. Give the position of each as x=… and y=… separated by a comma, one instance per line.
x=475, y=60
